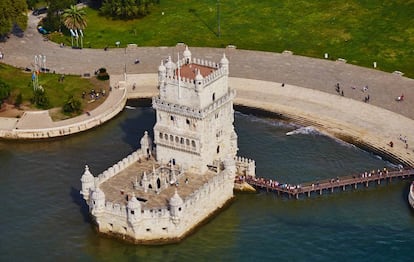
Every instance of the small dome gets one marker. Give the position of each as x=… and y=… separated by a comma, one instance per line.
x=186, y=52
x=133, y=203
x=198, y=77
x=169, y=64
x=176, y=199
x=87, y=177
x=98, y=194
x=224, y=60
x=145, y=140
x=161, y=68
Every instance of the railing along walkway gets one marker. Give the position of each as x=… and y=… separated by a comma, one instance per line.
x=327, y=184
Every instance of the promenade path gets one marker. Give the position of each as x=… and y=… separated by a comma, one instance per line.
x=308, y=97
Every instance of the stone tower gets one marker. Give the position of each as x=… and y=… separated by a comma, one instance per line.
x=194, y=126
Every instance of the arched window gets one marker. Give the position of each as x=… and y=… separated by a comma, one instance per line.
x=177, y=139
x=182, y=141
x=187, y=121
x=218, y=149
x=214, y=97
x=193, y=144
x=161, y=135
x=166, y=137
x=171, y=138
x=187, y=142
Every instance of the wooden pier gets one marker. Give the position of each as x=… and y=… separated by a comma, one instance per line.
x=326, y=185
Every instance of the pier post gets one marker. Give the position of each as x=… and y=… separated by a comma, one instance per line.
x=309, y=192
x=356, y=185
x=332, y=189
x=343, y=188
x=366, y=183
x=297, y=196
x=320, y=191
x=379, y=181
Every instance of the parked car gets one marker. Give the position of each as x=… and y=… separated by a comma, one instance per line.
x=42, y=30
x=40, y=10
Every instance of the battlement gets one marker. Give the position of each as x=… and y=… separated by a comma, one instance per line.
x=160, y=104
x=185, y=73
x=245, y=166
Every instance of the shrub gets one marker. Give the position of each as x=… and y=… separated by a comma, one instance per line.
x=4, y=91
x=40, y=99
x=72, y=105
x=19, y=100
x=102, y=74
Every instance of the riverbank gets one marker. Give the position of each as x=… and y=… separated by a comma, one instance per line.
x=362, y=124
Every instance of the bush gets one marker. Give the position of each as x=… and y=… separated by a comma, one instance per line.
x=19, y=100
x=40, y=99
x=102, y=74
x=72, y=105
x=4, y=91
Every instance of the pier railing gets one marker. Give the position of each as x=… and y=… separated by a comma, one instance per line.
x=325, y=185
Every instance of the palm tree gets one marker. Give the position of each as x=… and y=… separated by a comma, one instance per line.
x=74, y=18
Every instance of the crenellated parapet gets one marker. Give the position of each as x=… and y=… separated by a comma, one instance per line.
x=189, y=83
x=197, y=113
x=245, y=166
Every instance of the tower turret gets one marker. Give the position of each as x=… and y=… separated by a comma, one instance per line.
x=169, y=67
x=187, y=55
x=97, y=199
x=161, y=73
x=134, y=210
x=176, y=204
x=224, y=63
x=146, y=145
x=198, y=81
x=87, y=181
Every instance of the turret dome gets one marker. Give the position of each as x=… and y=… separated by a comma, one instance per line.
x=186, y=53
x=161, y=68
x=133, y=203
x=98, y=194
x=176, y=199
x=87, y=177
x=198, y=77
x=169, y=64
x=224, y=60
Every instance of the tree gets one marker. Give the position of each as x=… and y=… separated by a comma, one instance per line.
x=13, y=13
x=74, y=18
x=19, y=100
x=40, y=99
x=4, y=91
x=53, y=22
x=72, y=105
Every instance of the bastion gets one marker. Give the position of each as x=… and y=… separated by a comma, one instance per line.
x=184, y=174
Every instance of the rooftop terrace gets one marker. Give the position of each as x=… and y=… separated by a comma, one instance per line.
x=120, y=186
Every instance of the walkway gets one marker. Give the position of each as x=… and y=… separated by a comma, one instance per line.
x=327, y=185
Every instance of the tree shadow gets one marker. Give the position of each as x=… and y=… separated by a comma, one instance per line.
x=198, y=16
x=17, y=31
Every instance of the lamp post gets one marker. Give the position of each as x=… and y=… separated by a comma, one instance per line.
x=218, y=18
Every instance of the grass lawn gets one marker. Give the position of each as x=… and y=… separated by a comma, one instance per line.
x=360, y=31
x=58, y=92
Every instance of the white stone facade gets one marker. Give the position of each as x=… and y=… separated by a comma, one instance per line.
x=194, y=137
